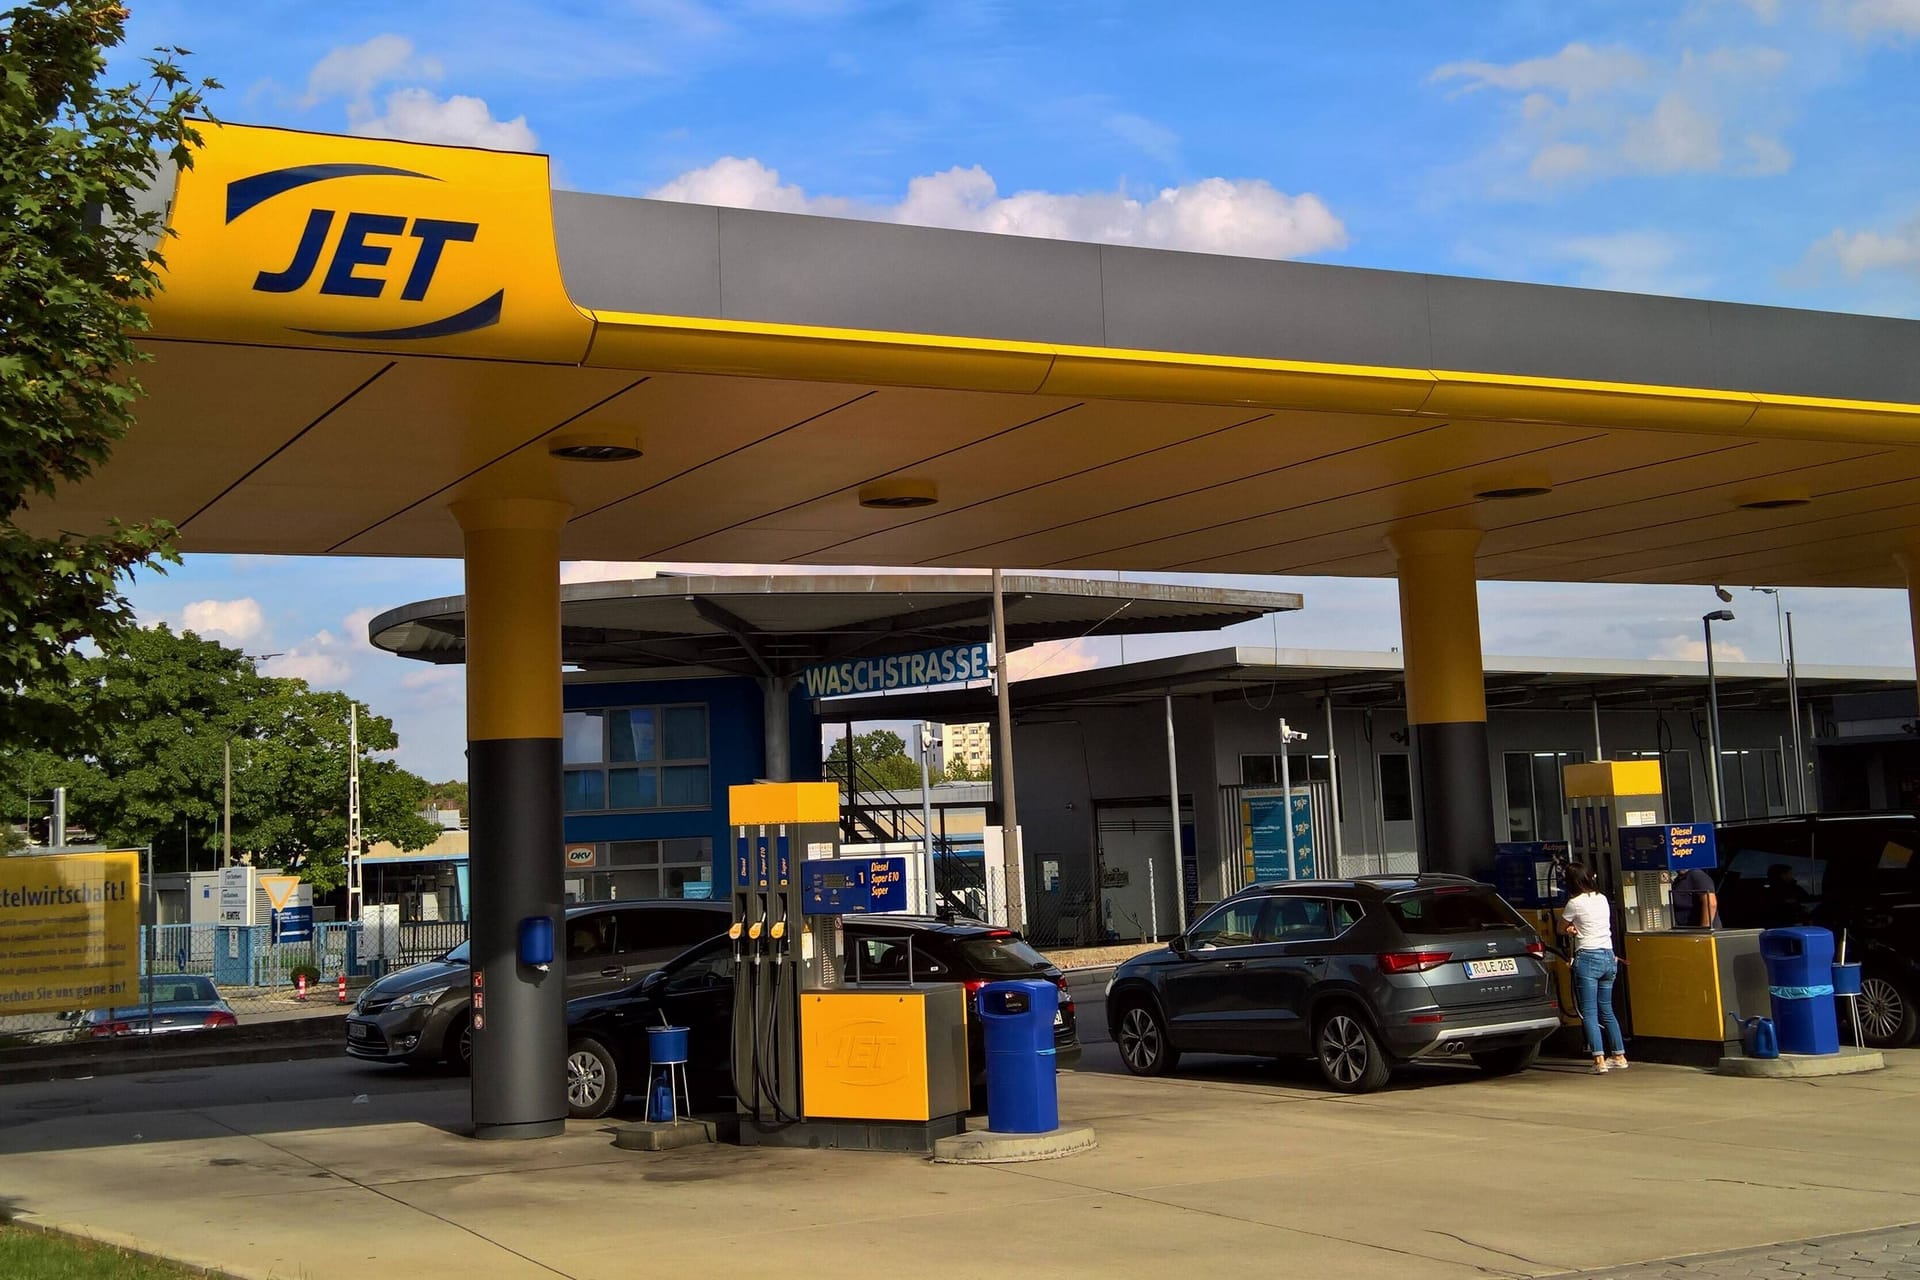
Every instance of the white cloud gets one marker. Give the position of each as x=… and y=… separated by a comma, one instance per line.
x=1684, y=648
x=433, y=677
x=1869, y=18
x=1859, y=253
x=314, y=665
x=606, y=570
x=239, y=621
x=1052, y=658
x=1632, y=262
x=1584, y=114
x=1156, y=140
x=354, y=71
x=420, y=115
x=1577, y=71
x=1243, y=217
x=1677, y=137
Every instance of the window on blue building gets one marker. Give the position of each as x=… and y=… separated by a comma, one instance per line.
x=629, y=758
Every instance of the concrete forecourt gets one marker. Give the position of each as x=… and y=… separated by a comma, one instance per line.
x=1451, y=1175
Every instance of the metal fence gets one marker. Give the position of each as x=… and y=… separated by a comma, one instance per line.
x=256, y=975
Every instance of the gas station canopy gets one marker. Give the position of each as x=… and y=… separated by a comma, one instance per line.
x=776, y=624
x=357, y=333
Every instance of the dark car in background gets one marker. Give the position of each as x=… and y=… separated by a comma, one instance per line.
x=422, y=1014
x=1359, y=975
x=1857, y=875
x=170, y=1004
x=607, y=1050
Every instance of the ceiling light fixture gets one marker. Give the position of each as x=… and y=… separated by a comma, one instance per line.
x=595, y=446
x=1773, y=504
x=1514, y=491
x=898, y=495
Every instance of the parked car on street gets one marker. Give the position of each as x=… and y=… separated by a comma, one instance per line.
x=1855, y=874
x=170, y=1004
x=1359, y=975
x=607, y=1050
x=422, y=1014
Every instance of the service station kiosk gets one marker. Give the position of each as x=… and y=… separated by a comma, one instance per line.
x=820, y=1060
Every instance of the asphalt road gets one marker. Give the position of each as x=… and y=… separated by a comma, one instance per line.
x=192, y=1088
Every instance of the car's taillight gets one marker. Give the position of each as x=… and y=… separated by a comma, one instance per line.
x=104, y=1029
x=1413, y=961
x=1536, y=948
x=219, y=1019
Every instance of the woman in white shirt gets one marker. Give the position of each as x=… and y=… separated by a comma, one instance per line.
x=1589, y=918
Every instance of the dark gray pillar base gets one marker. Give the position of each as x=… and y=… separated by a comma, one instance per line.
x=1455, y=797
x=511, y=1132
x=520, y=1029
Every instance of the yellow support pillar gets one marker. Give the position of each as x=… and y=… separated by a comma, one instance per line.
x=519, y=1017
x=1446, y=698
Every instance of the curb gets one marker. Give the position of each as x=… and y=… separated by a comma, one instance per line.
x=983, y=1146
x=109, y=1059
x=1804, y=1066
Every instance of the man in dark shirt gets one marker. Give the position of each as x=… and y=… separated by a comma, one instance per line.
x=1695, y=904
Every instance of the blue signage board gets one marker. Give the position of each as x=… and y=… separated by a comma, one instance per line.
x=1675, y=847
x=293, y=924
x=835, y=886
x=1266, y=814
x=699, y=890
x=950, y=664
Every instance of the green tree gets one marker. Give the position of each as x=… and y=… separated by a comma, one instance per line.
x=880, y=761
x=451, y=794
x=162, y=707
x=78, y=259
x=957, y=770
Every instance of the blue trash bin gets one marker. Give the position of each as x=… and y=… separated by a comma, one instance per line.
x=1799, y=964
x=1017, y=1020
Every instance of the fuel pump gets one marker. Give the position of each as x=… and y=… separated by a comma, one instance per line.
x=774, y=824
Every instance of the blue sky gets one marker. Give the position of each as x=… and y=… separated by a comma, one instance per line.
x=1750, y=150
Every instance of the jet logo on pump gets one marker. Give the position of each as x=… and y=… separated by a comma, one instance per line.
x=360, y=256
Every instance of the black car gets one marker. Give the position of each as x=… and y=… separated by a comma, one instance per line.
x=607, y=1052
x=421, y=1014
x=1358, y=974
x=1857, y=875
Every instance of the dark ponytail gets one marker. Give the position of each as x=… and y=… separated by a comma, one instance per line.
x=1579, y=880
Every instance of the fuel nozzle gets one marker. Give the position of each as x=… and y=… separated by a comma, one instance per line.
x=777, y=933
x=736, y=934
x=753, y=934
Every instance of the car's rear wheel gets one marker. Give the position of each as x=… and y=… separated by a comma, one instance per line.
x=1351, y=1060
x=459, y=1050
x=1142, y=1037
x=1507, y=1062
x=1887, y=1012
x=593, y=1080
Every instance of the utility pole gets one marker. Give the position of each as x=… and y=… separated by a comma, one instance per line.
x=1009, y=814
x=353, y=811
x=1800, y=767
x=926, y=815
x=226, y=805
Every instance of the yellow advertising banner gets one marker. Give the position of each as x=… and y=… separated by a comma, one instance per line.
x=69, y=932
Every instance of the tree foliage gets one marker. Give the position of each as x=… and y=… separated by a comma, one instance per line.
x=78, y=259
x=162, y=707
x=880, y=762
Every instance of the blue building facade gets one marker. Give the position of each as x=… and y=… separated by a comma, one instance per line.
x=647, y=767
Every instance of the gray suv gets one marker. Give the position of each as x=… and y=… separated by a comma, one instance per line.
x=421, y=1013
x=1356, y=974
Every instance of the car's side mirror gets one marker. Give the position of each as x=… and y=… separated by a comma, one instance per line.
x=653, y=982
x=1178, y=944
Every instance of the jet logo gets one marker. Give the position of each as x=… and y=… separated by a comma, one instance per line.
x=354, y=253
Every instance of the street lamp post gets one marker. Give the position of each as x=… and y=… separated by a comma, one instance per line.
x=1783, y=634
x=1713, y=718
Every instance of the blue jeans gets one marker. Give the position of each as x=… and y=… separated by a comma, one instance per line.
x=1593, y=974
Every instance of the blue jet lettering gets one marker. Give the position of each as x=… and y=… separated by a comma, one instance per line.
x=355, y=250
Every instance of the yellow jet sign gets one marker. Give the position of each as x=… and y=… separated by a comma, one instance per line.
x=308, y=240
x=69, y=932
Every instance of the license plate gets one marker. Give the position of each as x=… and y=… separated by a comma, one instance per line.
x=1492, y=968
x=358, y=1031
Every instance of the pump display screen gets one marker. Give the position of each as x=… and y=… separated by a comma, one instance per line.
x=835, y=886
